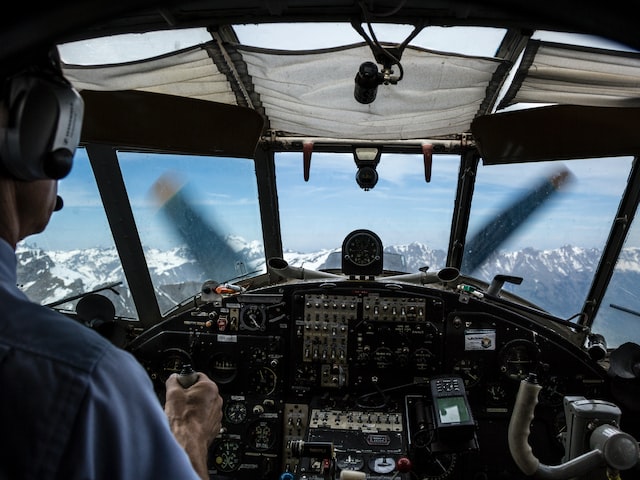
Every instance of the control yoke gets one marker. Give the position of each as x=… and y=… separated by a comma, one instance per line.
x=610, y=447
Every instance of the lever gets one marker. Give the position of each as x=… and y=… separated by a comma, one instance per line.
x=187, y=376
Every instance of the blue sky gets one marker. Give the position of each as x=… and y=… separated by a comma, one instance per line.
x=317, y=214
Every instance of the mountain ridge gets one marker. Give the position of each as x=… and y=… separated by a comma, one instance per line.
x=560, y=277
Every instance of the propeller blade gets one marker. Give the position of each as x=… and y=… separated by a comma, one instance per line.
x=208, y=246
x=496, y=232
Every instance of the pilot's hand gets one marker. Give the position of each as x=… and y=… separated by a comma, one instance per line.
x=195, y=417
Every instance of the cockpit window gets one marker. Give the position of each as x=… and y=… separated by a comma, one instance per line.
x=546, y=222
x=76, y=253
x=412, y=217
x=198, y=219
x=617, y=318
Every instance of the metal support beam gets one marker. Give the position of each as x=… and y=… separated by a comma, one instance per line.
x=104, y=162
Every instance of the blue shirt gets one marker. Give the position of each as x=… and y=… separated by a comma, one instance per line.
x=72, y=405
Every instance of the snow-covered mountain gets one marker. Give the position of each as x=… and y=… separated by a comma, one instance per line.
x=557, y=279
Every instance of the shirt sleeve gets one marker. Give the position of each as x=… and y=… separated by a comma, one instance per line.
x=121, y=431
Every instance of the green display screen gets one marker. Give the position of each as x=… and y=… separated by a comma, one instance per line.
x=452, y=410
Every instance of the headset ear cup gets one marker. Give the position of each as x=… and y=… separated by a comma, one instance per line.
x=35, y=126
x=43, y=130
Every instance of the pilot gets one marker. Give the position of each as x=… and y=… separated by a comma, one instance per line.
x=72, y=405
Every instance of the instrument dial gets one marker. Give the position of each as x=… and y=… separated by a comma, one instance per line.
x=264, y=381
x=553, y=391
x=469, y=370
x=362, y=253
x=382, y=465
x=223, y=368
x=262, y=435
x=518, y=358
x=252, y=317
x=349, y=462
x=440, y=466
x=496, y=394
x=236, y=412
x=362, y=249
x=173, y=361
x=227, y=456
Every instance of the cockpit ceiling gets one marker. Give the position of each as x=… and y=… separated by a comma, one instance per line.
x=309, y=94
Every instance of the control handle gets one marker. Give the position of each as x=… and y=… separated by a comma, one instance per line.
x=187, y=376
x=609, y=445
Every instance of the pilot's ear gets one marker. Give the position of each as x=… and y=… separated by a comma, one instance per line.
x=42, y=128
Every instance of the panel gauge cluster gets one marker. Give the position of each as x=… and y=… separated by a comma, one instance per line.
x=346, y=367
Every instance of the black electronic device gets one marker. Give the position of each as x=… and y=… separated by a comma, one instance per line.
x=451, y=411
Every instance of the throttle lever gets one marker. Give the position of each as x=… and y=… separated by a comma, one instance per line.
x=187, y=376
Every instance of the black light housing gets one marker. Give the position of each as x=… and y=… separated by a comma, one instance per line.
x=367, y=159
x=367, y=80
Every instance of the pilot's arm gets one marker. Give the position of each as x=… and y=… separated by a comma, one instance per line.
x=122, y=433
x=195, y=417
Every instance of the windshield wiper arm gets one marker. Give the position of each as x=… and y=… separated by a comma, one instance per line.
x=109, y=286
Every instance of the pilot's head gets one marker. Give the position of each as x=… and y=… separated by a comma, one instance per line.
x=40, y=123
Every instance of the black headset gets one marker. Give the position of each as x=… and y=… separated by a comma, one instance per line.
x=44, y=125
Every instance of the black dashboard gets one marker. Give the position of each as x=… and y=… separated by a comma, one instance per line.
x=322, y=376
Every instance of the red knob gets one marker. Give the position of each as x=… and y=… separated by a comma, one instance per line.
x=403, y=465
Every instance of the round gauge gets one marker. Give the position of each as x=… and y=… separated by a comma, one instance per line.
x=349, y=462
x=172, y=362
x=262, y=435
x=226, y=456
x=258, y=354
x=384, y=357
x=439, y=466
x=362, y=249
x=424, y=359
x=496, y=394
x=382, y=465
x=469, y=370
x=518, y=358
x=223, y=368
x=552, y=391
x=252, y=318
x=235, y=412
x=263, y=381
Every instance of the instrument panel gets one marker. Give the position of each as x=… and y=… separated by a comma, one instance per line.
x=322, y=376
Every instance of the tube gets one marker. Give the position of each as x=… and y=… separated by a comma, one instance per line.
x=447, y=274
x=281, y=268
